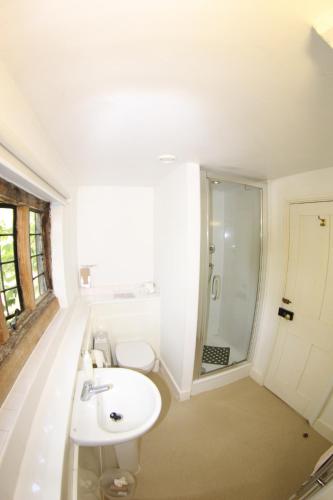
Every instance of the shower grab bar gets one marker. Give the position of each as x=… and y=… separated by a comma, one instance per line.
x=216, y=287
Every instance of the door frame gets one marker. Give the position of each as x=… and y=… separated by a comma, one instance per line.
x=206, y=176
x=286, y=245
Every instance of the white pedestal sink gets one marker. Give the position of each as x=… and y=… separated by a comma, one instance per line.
x=132, y=396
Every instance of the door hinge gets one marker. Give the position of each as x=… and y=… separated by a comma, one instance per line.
x=322, y=221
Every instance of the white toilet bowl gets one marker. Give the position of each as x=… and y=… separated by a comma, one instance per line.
x=137, y=355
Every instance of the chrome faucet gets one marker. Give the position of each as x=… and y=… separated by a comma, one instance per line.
x=89, y=389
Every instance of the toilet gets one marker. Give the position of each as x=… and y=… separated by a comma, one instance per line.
x=137, y=355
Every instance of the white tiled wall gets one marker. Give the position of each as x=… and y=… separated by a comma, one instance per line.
x=14, y=403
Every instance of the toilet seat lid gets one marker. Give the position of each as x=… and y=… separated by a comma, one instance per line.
x=134, y=354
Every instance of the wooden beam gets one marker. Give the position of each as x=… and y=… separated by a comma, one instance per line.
x=4, y=332
x=46, y=225
x=13, y=195
x=23, y=256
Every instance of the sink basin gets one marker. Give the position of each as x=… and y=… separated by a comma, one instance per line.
x=133, y=397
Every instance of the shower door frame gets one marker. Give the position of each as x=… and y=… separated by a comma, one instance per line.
x=207, y=176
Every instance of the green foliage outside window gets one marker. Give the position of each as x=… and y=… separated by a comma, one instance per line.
x=37, y=254
x=8, y=279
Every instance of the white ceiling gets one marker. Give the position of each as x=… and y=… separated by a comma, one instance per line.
x=239, y=85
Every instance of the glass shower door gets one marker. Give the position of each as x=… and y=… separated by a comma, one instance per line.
x=233, y=260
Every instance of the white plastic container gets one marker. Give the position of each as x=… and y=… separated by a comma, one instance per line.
x=102, y=343
x=88, y=487
x=87, y=365
x=110, y=489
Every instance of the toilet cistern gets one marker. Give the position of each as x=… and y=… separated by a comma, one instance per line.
x=137, y=355
x=89, y=390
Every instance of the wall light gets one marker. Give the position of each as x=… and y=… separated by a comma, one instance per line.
x=167, y=158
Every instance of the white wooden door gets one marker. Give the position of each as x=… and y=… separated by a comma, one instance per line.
x=301, y=368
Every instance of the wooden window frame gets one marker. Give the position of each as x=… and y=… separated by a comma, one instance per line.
x=17, y=343
x=45, y=271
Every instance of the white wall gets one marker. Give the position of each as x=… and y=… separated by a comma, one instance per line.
x=21, y=133
x=64, y=251
x=310, y=186
x=123, y=320
x=177, y=263
x=115, y=232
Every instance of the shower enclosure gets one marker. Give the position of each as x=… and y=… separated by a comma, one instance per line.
x=230, y=269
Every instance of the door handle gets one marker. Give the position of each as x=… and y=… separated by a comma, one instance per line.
x=216, y=287
x=289, y=315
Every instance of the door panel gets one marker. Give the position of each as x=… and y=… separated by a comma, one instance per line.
x=327, y=307
x=307, y=267
x=316, y=373
x=301, y=368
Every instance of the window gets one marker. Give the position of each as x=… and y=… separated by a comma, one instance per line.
x=27, y=302
x=37, y=254
x=9, y=282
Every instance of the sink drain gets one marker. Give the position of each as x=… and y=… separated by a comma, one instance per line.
x=115, y=416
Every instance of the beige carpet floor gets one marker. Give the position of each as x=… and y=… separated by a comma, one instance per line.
x=239, y=442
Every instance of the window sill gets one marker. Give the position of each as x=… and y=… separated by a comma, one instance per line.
x=17, y=349
x=33, y=452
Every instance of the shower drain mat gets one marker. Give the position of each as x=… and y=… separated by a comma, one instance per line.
x=215, y=355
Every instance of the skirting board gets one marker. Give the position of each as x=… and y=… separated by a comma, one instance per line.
x=257, y=376
x=176, y=391
x=220, y=379
x=325, y=430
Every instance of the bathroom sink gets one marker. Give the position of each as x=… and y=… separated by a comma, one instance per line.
x=124, y=412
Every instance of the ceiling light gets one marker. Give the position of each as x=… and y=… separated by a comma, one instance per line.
x=167, y=158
